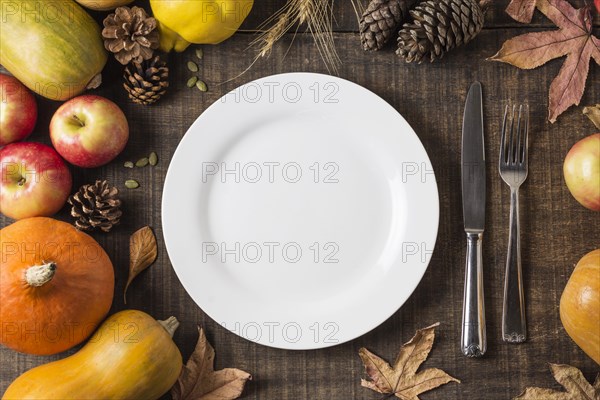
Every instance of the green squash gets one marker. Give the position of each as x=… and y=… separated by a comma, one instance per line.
x=54, y=47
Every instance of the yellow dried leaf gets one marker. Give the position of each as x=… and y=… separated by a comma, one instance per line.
x=571, y=378
x=403, y=380
x=199, y=380
x=593, y=113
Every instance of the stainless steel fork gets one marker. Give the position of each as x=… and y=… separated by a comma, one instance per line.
x=513, y=170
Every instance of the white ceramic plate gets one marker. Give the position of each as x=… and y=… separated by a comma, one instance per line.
x=300, y=211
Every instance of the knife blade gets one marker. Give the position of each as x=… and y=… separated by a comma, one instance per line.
x=473, y=162
x=473, y=337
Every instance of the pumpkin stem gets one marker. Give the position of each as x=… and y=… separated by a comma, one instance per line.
x=38, y=275
x=170, y=324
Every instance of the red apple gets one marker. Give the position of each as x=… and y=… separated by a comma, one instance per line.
x=582, y=171
x=18, y=110
x=35, y=180
x=89, y=131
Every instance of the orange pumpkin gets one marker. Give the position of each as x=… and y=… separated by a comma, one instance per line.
x=580, y=305
x=56, y=286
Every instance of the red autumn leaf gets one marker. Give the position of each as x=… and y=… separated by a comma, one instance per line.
x=574, y=39
x=522, y=10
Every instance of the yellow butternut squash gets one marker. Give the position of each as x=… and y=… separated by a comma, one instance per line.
x=131, y=356
x=103, y=5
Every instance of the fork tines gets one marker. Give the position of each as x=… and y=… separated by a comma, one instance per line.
x=514, y=151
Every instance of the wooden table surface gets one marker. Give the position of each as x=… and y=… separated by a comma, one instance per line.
x=556, y=230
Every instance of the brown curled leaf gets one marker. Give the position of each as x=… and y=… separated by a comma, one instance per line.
x=199, y=380
x=593, y=113
x=142, y=253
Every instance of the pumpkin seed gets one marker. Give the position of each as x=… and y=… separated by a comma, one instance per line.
x=128, y=164
x=192, y=81
x=142, y=162
x=153, y=159
x=199, y=53
x=132, y=184
x=192, y=66
x=202, y=86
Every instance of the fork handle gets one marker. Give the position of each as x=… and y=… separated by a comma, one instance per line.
x=473, y=338
x=514, y=328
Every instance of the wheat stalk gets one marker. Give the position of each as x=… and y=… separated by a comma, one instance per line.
x=268, y=39
x=358, y=8
x=317, y=15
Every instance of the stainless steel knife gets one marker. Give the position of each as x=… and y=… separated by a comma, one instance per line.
x=473, y=337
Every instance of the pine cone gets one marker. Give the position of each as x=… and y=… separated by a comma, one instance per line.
x=381, y=20
x=146, y=82
x=96, y=206
x=131, y=34
x=439, y=26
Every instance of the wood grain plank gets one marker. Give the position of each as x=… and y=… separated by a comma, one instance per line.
x=346, y=18
x=556, y=230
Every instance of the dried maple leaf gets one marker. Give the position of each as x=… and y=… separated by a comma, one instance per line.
x=199, y=380
x=402, y=380
x=578, y=388
x=574, y=39
x=142, y=253
x=521, y=10
x=593, y=113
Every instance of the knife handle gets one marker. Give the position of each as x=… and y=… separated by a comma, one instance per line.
x=473, y=338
